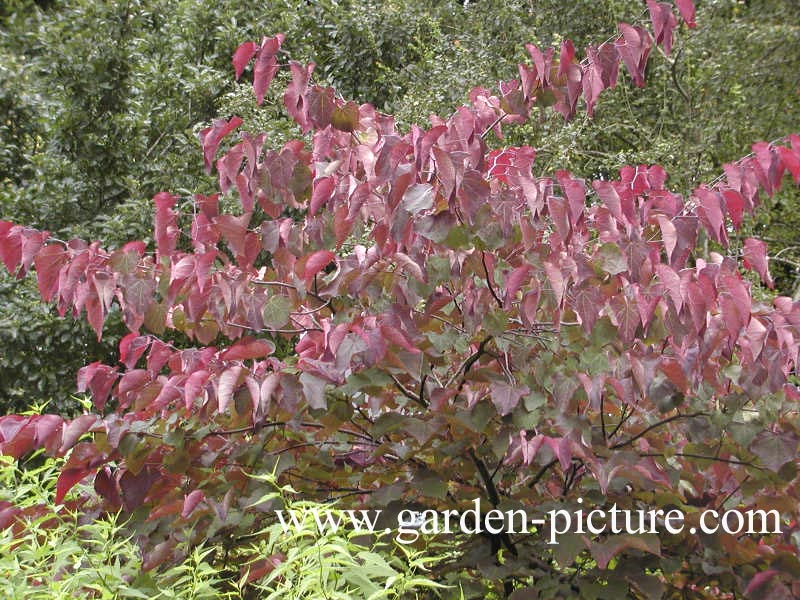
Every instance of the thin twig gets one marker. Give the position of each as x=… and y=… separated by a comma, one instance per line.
x=313, y=310
x=625, y=416
x=494, y=124
x=466, y=365
x=408, y=393
x=785, y=261
x=541, y=473
x=673, y=70
x=303, y=330
x=488, y=280
x=731, y=461
x=248, y=429
x=647, y=430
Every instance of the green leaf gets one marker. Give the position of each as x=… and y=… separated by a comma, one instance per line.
x=368, y=380
x=603, y=332
x=443, y=342
x=376, y=565
x=276, y=311
x=457, y=238
x=431, y=485
x=568, y=547
x=124, y=262
x=155, y=318
x=387, y=423
x=546, y=98
x=611, y=259
x=480, y=416
x=345, y=117
x=495, y=322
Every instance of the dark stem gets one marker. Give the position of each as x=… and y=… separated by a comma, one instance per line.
x=492, y=126
x=730, y=461
x=468, y=362
x=488, y=280
x=541, y=473
x=501, y=539
x=625, y=416
x=408, y=393
x=602, y=416
x=655, y=425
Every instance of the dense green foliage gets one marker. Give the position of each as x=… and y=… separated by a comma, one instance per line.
x=63, y=552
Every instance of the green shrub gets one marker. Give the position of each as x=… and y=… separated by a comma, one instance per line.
x=303, y=564
x=61, y=552
x=65, y=551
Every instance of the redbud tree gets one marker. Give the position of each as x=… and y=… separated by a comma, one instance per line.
x=389, y=317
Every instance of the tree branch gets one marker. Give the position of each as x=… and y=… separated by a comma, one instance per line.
x=408, y=393
x=785, y=261
x=673, y=71
x=493, y=125
x=248, y=429
x=494, y=498
x=466, y=365
x=625, y=416
x=647, y=430
x=541, y=473
x=265, y=330
x=730, y=461
x=488, y=280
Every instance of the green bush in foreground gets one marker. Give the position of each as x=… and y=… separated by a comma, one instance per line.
x=62, y=553
x=301, y=563
x=59, y=554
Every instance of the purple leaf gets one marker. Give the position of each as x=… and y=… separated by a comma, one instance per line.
x=266, y=65
x=505, y=397
x=755, y=258
x=210, y=137
x=634, y=48
x=244, y=53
